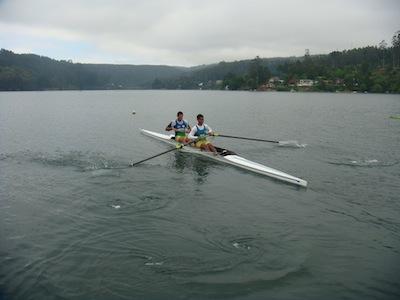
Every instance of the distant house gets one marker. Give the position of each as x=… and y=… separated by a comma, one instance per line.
x=275, y=80
x=266, y=87
x=339, y=81
x=305, y=83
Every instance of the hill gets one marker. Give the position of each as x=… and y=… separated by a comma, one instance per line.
x=34, y=72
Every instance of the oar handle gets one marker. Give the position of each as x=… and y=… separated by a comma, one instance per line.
x=246, y=138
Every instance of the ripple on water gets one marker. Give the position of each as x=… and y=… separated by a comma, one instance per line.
x=234, y=259
x=361, y=162
x=82, y=160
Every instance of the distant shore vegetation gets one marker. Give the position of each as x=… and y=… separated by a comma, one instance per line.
x=372, y=69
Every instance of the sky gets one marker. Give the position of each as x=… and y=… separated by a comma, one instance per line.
x=189, y=33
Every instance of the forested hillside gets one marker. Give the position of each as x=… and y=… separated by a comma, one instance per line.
x=369, y=69
x=33, y=72
x=373, y=69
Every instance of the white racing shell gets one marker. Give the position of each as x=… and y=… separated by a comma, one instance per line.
x=231, y=158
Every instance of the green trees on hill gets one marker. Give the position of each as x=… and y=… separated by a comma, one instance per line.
x=245, y=74
x=368, y=69
x=256, y=74
x=374, y=69
x=33, y=72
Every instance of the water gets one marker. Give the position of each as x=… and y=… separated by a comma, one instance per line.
x=76, y=223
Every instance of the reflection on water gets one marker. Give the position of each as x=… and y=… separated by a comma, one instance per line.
x=180, y=161
x=192, y=163
x=201, y=168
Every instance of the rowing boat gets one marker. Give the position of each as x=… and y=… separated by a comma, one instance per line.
x=230, y=157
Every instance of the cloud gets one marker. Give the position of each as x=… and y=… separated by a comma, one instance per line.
x=194, y=32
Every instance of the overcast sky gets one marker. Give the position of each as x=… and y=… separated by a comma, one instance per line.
x=192, y=32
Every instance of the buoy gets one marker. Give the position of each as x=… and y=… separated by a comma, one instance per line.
x=134, y=113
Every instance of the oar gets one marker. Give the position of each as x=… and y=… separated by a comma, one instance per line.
x=245, y=138
x=280, y=143
x=178, y=146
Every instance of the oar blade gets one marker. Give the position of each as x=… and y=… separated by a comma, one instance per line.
x=291, y=144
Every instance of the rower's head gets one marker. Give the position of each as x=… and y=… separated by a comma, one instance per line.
x=200, y=119
x=180, y=115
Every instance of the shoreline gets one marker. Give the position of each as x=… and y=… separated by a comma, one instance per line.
x=203, y=90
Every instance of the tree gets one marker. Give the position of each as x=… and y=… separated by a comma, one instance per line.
x=382, y=47
x=396, y=49
x=233, y=82
x=258, y=74
x=157, y=84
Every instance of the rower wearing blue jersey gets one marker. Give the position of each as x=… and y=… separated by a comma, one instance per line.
x=181, y=127
x=199, y=134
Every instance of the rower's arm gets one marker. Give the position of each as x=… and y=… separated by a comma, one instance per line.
x=192, y=133
x=168, y=128
x=210, y=131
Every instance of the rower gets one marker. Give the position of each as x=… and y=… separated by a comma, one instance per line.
x=180, y=127
x=200, y=132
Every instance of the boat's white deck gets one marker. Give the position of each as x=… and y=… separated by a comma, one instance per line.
x=232, y=159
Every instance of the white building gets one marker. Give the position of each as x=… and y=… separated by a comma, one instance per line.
x=305, y=83
x=276, y=80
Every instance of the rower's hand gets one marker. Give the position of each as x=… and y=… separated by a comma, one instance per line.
x=178, y=146
x=212, y=134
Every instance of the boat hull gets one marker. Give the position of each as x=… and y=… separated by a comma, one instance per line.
x=231, y=158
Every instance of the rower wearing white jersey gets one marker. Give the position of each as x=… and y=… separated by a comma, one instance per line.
x=199, y=134
x=180, y=127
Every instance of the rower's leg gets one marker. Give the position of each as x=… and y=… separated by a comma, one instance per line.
x=212, y=149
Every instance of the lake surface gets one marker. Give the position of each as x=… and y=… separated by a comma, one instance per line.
x=77, y=223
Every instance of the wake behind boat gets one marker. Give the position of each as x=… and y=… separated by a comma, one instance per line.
x=230, y=157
